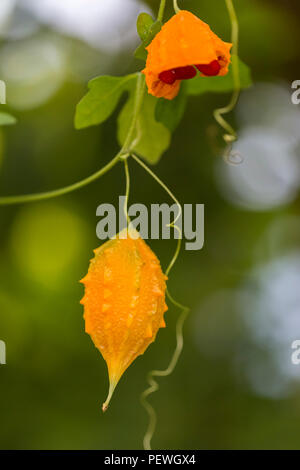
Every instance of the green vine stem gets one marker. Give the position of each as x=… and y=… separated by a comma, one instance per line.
x=127, y=176
x=171, y=224
x=161, y=10
x=122, y=154
x=230, y=136
x=138, y=100
x=10, y=200
x=153, y=385
x=176, y=7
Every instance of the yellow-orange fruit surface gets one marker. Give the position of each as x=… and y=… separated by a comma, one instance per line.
x=124, y=301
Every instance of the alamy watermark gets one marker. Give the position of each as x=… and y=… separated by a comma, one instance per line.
x=2, y=352
x=295, y=357
x=155, y=223
x=296, y=94
x=2, y=92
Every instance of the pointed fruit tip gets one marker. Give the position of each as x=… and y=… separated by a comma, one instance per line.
x=112, y=386
x=104, y=407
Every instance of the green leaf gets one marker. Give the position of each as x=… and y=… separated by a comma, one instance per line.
x=7, y=119
x=170, y=112
x=151, y=138
x=153, y=31
x=141, y=52
x=143, y=25
x=101, y=100
x=200, y=85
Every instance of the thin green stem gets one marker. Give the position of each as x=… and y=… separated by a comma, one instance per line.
x=163, y=185
x=231, y=135
x=122, y=154
x=161, y=10
x=127, y=176
x=139, y=95
x=171, y=224
x=176, y=7
x=153, y=385
x=234, y=30
x=9, y=200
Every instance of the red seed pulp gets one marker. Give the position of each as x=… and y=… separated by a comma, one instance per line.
x=210, y=70
x=185, y=73
x=168, y=76
x=180, y=73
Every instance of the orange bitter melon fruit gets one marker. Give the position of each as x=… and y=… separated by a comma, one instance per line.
x=184, y=42
x=124, y=301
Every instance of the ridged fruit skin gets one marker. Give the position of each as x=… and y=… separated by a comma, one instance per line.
x=124, y=300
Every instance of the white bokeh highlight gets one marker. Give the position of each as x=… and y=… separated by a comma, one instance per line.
x=270, y=305
x=109, y=25
x=269, y=143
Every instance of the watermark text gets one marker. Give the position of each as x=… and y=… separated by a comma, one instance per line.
x=155, y=223
x=2, y=352
x=2, y=92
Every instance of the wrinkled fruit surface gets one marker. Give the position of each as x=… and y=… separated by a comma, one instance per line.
x=124, y=301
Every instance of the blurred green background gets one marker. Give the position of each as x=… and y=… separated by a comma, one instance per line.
x=235, y=386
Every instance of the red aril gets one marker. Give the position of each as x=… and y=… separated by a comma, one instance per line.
x=210, y=70
x=185, y=73
x=180, y=73
x=168, y=77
